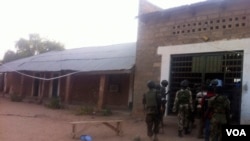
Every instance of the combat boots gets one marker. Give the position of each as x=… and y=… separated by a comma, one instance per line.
x=180, y=133
x=155, y=138
x=187, y=131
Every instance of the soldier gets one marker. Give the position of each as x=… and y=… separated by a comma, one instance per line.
x=151, y=99
x=206, y=115
x=201, y=93
x=183, y=103
x=164, y=84
x=192, y=114
x=219, y=106
x=158, y=89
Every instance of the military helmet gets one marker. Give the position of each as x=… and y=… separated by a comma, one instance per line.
x=216, y=85
x=151, y=84
x=184, y=83
x=164, y=83
x=214, y=82
x=157, y=86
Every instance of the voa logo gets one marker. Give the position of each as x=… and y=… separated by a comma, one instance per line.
x=236, y=132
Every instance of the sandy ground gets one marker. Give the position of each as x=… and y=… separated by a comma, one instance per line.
x=23, y=121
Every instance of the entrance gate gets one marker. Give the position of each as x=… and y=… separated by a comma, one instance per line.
x=198, y=68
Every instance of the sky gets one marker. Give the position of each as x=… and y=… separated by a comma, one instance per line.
x=73, y=23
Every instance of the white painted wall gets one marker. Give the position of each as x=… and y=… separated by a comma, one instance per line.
x=217, y=46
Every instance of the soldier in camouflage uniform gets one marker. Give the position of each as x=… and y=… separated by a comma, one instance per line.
x=164, y=84
x=152, y=104
x=220, y=107
x=183, y=104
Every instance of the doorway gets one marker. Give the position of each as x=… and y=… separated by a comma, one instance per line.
x=55, y=87
x=198, y=68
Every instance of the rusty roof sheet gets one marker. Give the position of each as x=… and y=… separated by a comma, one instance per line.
x=85, y=59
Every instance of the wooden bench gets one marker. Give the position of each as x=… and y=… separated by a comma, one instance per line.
x=109, y=123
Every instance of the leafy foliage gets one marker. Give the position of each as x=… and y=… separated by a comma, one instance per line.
x=54, y=103
x=35, y=45
x=9, y=56
x=15, y=98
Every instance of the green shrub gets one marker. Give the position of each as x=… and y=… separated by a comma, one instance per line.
x=16, y=98
x=106, y=112
x=54, y=103
x=86, y=110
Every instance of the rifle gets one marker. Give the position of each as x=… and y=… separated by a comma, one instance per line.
x=144, y=103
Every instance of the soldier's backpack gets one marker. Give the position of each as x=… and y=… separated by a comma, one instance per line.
x=151, y=102
x=150, y=99
x=183, y=96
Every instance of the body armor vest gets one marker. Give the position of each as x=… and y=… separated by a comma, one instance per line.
x=183, y=96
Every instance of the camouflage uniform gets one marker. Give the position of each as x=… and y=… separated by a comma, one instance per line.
x=183, y=103
x=152, y=99
x=163, y=94
x=220, y=106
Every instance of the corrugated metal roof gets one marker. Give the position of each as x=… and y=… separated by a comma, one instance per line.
x=86, y=59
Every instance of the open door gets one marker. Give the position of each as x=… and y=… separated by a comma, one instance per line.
x=197, y=68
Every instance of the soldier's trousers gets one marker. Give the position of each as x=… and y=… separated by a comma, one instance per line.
x=215, y=132
x=207, y=129
x=216, y=123
x=152, y=121
x=183, y=117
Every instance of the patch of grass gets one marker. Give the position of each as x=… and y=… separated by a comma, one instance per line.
x=90, y=110
x=85, y=110
x=106, y=112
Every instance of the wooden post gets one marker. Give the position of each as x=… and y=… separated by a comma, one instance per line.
x=32, y=85
x=68, y=89
x=59, y=85
x=42, y=88
x=6, y=82
x=101, y=92
x=21, y=86
x=50, y=85
x=10, y=85
x=73, y=130
x=131, y=87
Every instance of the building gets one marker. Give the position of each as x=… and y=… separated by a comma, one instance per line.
x=99, y=76
x=197, y=42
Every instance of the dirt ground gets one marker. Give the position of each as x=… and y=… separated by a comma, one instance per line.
x=23, y=121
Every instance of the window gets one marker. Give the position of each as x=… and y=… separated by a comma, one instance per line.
x=114, y=83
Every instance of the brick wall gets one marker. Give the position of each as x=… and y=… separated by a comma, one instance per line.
x=147, y=7
x=201, y=22
x=85, y=90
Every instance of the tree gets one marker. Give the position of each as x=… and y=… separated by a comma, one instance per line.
x=24, y=48
x=9, y=56
x=35, y=45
